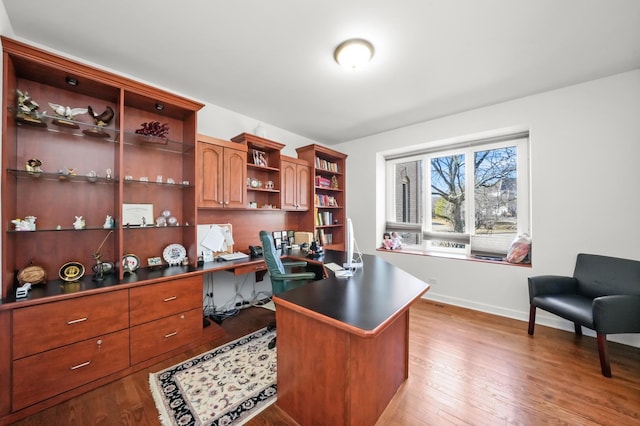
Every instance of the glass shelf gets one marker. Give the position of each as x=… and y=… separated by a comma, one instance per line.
x=178, y=185
x=49, y=123
x=61, y=177
x=157, y=143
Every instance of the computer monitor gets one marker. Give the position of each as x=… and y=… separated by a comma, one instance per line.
x=354, y=258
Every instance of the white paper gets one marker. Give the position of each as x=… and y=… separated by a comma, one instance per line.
x=215, y=239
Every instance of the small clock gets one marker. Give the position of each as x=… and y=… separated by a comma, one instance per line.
x=71, y=271
x=174, y=254
x=254, y=183
x=130, y=262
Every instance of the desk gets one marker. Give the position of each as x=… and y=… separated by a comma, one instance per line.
x=343, y=343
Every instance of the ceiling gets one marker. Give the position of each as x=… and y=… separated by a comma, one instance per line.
x=272, y=60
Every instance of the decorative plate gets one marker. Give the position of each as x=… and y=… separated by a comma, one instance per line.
x=174, y=254
x=254, y=183
x=130, y=262
x=71, y=271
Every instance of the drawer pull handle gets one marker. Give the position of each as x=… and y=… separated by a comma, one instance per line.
x=169, y=299
x=77, y=320
x=166, y=336
x=84, y=364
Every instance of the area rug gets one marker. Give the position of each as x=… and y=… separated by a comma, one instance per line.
x=225, y=386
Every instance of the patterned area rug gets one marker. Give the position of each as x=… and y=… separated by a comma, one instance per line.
x=225, y=386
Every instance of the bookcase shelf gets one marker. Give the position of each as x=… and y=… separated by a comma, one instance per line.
x=328, y=217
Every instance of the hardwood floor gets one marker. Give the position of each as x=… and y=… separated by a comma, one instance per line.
x=465, y=368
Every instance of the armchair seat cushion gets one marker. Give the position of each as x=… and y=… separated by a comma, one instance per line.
x=573, y=307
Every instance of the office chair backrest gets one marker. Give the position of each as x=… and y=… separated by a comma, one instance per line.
x=271, y=258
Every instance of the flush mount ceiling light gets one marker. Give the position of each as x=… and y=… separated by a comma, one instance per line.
x=354, y=53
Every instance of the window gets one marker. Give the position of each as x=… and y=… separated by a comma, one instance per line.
x=468, y=198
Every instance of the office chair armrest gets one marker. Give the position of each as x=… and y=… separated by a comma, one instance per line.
x=294, y=264
x=295, y=276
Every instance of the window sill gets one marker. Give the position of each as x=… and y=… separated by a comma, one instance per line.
x=455, y=256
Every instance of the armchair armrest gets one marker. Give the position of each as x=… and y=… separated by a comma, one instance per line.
x=618, y=313
x=551, y=284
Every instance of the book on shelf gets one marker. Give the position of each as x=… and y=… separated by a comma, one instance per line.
x=324, y=200
x=323, y=164
x=324, y=218
x=325, y=237
x=323, y=182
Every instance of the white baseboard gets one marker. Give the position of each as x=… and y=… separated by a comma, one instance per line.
x=542, y=318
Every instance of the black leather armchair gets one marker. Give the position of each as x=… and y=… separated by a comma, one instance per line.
x=603, y=295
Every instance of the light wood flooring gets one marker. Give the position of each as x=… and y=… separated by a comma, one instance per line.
x=465, y=368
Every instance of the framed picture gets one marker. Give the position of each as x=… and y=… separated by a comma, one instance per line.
x=137, y=215
x=154, y=262
x=260, y=158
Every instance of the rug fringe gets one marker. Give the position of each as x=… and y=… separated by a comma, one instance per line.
x=163, y=416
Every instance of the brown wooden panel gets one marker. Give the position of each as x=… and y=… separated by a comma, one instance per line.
x=42, y=327
x=5, y=361
x=151, y=302
x=378, y=366
x=46, y=374
x=166, y=334
x=313, y=363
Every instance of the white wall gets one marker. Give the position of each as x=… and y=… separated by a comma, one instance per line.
x=584, y=151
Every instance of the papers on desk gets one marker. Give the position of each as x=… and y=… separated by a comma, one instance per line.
x=343, y=273
x=218, y=238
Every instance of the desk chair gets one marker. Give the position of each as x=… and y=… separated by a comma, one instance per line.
x=281, y=280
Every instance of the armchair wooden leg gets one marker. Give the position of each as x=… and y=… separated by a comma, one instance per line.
x=578, y=329
x=604, y=355
x=532, y=319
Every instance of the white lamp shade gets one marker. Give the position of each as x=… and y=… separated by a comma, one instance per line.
x=353, y=54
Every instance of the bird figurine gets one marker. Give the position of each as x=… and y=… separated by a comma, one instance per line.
x=65, y=114
x=102, y=119
x=28, y=110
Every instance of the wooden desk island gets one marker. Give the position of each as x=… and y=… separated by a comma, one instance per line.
x=343, y=343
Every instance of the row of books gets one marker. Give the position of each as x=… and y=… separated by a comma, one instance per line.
x=324, y=200
x=321, y=163
x=325, y=238
x=324, y=218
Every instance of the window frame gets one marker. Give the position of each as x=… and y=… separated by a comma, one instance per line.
x=468, y=148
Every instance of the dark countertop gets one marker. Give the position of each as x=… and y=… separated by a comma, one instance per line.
x=364, y=303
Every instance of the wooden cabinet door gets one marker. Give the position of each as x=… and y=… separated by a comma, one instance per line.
x=210, y=176
x=235, y=178
x=288, y=189
x=303, y=186
x=296, y=179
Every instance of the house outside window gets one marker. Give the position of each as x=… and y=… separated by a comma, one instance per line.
x=469, y=198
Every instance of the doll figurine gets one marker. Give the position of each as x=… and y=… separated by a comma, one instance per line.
x=387, y=243
x=396, y=241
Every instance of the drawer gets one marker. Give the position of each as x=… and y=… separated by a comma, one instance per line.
x=50, y=373
x=163, y=335
x=151, y=302
x=43, y=327
x=247, y=269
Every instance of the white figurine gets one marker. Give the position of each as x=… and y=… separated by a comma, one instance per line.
x=396, y=241
x=79, y=223
x=108, y=222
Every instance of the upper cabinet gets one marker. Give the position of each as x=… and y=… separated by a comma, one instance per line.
x=91, y=161
x=296, y=181
x=222, y=173
x=328, y=217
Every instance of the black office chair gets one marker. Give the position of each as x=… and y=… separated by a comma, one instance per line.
x=281, y=280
